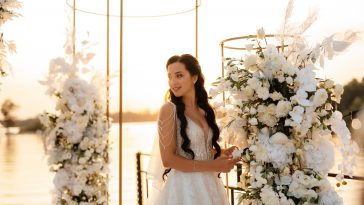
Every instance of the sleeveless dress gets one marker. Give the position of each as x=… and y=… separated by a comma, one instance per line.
x=193, y=188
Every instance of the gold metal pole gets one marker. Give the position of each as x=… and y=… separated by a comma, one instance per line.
x=121, y=103
x=223, y=99
x=107, y=59
x=74, y=33
x=107, y=70
x=196, y=37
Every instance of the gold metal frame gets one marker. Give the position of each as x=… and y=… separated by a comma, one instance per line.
x=74, y=8
x=121, y=104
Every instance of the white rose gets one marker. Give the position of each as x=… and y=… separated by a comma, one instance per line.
x=320, y=156
x=289, y=70
x=283, y=108
x=297, y=114
x=276, y=96
x=263, y=93
x=253, y=121
x=250, y=60
x=254, y=83
x=247, y=93
x=320, y=97
x=306, y=78
x=330, y=198
x=278, y=138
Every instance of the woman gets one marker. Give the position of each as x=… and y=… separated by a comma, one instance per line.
x=188, y=137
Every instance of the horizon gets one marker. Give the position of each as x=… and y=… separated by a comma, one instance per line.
x=149, y=42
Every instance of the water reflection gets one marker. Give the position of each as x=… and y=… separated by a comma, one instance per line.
x=24, y=174
x=9, y=153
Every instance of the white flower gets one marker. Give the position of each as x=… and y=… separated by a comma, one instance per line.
x=257, y=180
x=263, y=93
x=72, y=132
x=289, y=70
x=337, y=92
x=213, y=92
x=320, y=155
x=266, y=114
x=235, y=76
x=76, y=188
x=339, y=127
x=320, y=97
x=237, y=153
x=297, y=114
x=260, y=33
x=306, y=79
x=253, y=111
x=250, y=62
x=247, y=93
x=61, y=179
x=268, y=196
x=254, y=83
x=253, y=121
x=301, y=98
x=328, y=84
x=278, y=138
x=330, y=197
x=276, y=96
x=260, y=151
x=280, y=149
x=283, y=108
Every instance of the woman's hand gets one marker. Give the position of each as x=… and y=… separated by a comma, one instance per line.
x=228, y=152
x=225, y=163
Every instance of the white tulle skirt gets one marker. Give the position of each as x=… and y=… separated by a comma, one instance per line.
x=190, y=188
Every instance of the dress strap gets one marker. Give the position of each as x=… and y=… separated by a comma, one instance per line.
x=167, y=126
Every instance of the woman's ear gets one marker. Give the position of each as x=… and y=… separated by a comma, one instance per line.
x=195, y=78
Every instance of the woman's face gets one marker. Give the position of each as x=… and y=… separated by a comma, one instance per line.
x=180, y=80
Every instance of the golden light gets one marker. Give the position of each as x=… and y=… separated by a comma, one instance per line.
x=356, y=124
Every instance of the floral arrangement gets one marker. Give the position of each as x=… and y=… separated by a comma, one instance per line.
x=77, y=136
x=285, y=121
x=7, y=13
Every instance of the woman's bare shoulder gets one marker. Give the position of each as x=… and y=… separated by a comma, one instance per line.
x=167, y=108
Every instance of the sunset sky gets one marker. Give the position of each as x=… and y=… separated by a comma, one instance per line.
x=149, y=42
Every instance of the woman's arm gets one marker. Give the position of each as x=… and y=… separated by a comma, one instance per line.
x=167, y=128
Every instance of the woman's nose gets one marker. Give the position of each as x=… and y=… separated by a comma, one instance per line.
x=172, y=81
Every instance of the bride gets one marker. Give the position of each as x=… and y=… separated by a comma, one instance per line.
x=185, y=166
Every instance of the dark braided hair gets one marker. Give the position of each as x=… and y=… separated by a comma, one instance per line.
x=193, y=67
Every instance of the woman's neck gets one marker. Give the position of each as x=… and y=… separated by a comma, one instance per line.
x=190, y=101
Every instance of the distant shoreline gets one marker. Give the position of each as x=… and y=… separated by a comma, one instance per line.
x=134, y=117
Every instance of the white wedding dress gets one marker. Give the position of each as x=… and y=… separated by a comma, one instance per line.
x=191, y=188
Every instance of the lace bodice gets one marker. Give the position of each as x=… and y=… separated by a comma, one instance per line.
x=201, y=146
x=186, y=188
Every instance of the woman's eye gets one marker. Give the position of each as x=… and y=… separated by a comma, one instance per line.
x=179, y=76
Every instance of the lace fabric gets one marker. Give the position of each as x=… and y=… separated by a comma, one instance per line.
x=185, y=188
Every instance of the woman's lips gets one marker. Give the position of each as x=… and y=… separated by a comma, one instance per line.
x=175, y=89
